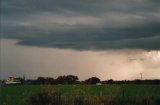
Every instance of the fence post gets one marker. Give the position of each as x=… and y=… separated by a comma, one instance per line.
x=123, y=96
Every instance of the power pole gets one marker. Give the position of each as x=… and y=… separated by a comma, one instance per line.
x=141, y=75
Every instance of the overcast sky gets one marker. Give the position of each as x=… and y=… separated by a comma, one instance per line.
x=84, y=25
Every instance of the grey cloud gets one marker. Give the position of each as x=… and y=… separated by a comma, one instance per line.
x=83, y=25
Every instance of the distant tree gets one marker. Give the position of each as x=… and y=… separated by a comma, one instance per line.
x=110, y=81
x=137, y=81
x=93, y=80
x=69, y=79
x=49, y=80
x=60, y=80
x=41, y=80
x=156, y=81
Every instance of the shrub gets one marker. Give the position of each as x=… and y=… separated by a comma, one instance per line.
x=45, y=97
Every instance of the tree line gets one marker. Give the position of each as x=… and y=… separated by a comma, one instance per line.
x=72, y=79
x=65, y=79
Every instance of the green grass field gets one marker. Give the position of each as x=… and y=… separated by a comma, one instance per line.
x=15, y=95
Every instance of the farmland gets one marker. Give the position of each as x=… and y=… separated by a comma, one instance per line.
x=129, y=94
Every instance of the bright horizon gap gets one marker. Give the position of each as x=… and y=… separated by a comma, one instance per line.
x=124, y=64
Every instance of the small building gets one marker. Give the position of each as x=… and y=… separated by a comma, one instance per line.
x=13, y=81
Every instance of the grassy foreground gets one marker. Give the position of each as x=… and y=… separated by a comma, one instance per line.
x=122, y=94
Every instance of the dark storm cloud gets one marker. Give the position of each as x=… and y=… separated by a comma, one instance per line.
x=83, y=25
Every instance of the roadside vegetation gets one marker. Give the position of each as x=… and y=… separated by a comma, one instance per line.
x=68, y=90
x=80, y=94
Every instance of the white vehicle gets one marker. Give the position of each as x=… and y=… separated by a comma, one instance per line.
x=12, y=81
x=98, y=84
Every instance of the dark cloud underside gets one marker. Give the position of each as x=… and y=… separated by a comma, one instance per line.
x=83, y=25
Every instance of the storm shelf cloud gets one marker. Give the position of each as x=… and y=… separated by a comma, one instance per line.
x=83, y=25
